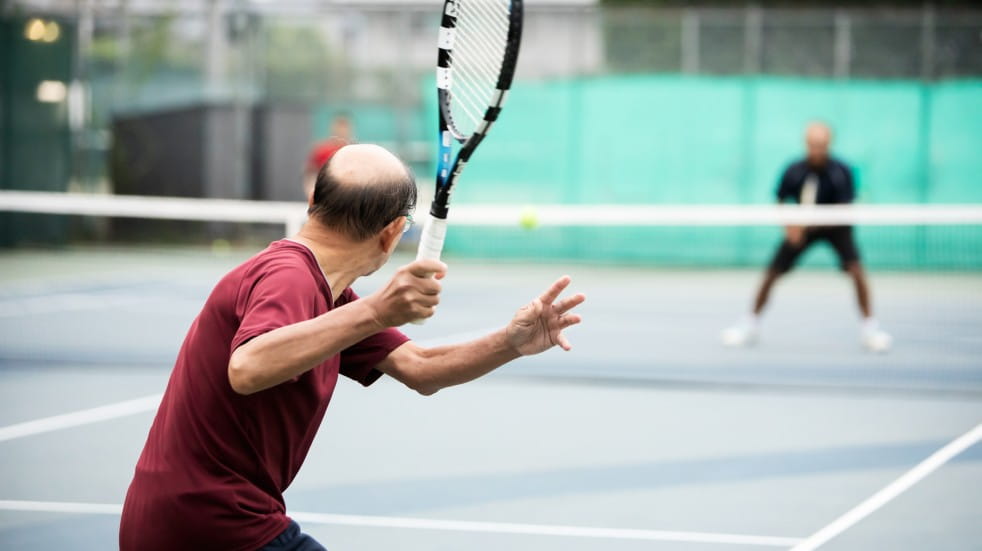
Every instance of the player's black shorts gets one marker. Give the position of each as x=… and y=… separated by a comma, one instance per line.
x=840, y=237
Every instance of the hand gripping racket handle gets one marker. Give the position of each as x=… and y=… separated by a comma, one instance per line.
x=431, y=243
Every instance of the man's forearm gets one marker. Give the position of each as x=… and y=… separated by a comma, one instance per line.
x=535, y=328
x=284, y=353
x=443, y=366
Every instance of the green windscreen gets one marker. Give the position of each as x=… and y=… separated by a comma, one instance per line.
x=658, y=139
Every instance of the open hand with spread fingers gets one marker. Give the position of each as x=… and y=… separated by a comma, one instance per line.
x=538, y=326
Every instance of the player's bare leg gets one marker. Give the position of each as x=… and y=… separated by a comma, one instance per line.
x=855, y=271
x=745, y=332
x=873, y=338
x=763, y=294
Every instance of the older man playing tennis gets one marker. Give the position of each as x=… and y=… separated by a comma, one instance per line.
x=257, y=369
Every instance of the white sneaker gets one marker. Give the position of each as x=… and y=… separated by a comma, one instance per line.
x=875, y=339
x=743, y=333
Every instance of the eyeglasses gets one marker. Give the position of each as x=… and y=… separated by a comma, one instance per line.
x=409, y=223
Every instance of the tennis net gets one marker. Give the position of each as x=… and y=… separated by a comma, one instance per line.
x=890, y=236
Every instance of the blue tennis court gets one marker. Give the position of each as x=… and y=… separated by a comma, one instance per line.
x=659, y=153
x=648, y=435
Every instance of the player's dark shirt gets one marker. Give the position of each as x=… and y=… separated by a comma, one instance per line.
x=834, y=182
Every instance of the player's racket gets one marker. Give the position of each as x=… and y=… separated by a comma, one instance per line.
x=809, y=190
x=478, y=48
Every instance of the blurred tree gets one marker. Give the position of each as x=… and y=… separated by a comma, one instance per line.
x=299, y=65
x=153, y=47
x=788, y=3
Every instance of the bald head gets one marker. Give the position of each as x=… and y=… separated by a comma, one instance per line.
x=366, y=164
x=818, y=138
x=361, y=189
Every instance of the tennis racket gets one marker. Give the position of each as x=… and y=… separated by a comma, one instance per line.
x=478, y=49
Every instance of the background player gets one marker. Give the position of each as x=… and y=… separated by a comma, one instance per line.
x=824, y=180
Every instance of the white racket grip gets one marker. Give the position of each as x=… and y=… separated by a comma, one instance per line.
x=431, y=239
x=431, y=244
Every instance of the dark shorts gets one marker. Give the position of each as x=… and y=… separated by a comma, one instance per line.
x=292, y=539
x=840, y=237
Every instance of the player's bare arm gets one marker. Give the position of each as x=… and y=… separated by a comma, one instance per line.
x=288, y=351
x=536, y=327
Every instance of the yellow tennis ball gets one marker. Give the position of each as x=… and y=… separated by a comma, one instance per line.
x=528, y=220
x=220, y=247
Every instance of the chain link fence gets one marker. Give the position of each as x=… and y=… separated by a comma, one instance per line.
x=375, y=59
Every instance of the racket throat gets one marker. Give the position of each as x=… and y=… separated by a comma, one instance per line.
x=440, y=206
x=445, y=180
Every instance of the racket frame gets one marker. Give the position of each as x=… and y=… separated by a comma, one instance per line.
x=448, y=171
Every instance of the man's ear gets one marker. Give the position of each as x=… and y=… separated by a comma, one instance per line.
x=309, y=180
x=391, y=234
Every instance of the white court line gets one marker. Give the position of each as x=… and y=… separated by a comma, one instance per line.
x=81, y=417
x=131, y=407
x=543, y=529
x=892, y=490
x=66, y=302
x=448, y=525
x=61, y=507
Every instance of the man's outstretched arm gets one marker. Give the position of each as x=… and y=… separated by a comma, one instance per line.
x=535, y=328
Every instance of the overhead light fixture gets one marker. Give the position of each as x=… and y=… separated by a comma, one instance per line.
x=34, y=30
x=39, y=30
x=51, y=32
x=51, y=91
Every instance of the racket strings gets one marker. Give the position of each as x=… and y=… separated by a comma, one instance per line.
x=476, y=60
x=480, y=46
x=474, y=88
x=487, y=26
x=496, y=19
x=484, y=54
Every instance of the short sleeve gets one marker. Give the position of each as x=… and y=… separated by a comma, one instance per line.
x=282, y=294
x=358, y=362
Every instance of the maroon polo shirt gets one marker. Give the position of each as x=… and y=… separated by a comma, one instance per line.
x=216, y=463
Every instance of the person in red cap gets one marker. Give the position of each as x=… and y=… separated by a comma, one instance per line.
x=324, y=150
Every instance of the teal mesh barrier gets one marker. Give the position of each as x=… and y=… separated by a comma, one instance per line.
x=692, y=140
